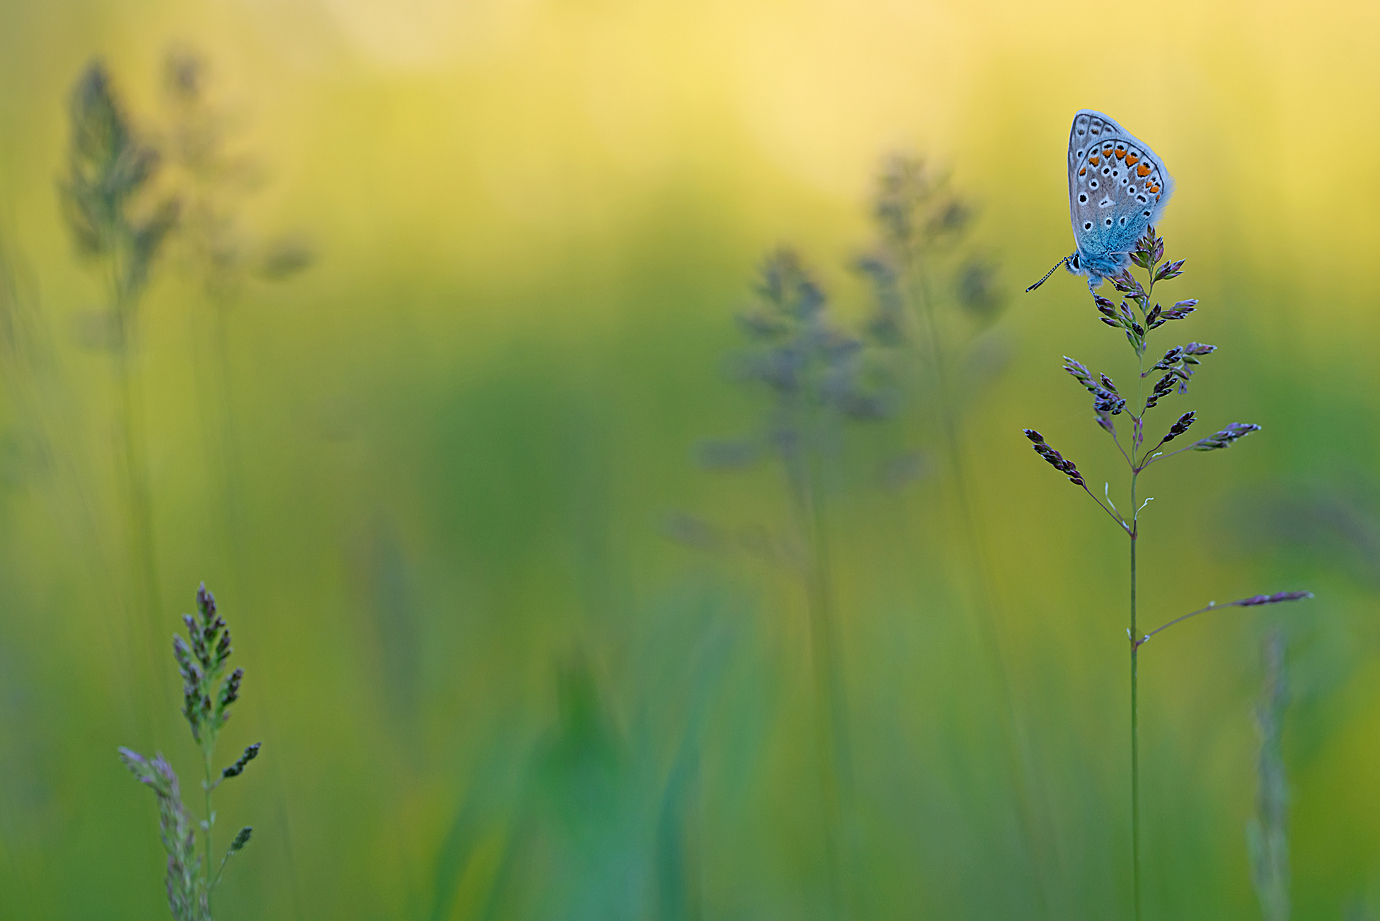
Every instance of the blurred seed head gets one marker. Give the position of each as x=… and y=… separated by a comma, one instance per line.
x=109, y=171
x=728, y=453
x=692, y=531
x=213, y=176
x=186, y=893
x=1276, y=598
x=1227, y=436
x=920, y=218
x=914, y=205
x=979, y=292
x=802, y=357
x=285, y=257
x=901, y=471
x=184, y=75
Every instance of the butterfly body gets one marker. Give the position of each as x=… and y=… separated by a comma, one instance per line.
x=1117, y=189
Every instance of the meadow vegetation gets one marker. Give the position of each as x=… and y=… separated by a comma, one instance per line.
x=672, y=569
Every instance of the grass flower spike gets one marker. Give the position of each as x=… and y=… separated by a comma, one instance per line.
x=208, y=693
x=1137, y=316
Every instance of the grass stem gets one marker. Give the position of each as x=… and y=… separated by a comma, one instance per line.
x=142, y=544
x=1134, y=534
x=1135, y=736
x=210, y=816
x=1178, y=366
x=831, y=708
x=1017, y=751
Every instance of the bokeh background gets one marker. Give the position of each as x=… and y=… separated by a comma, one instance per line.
x=513, y=648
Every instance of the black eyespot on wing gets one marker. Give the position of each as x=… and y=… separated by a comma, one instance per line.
x=1109, y=222
x=1142, y=199
x=1082, y=197
x=1123, y=220
x=1087, y=225
x=1147, y=213
x=1092, y=183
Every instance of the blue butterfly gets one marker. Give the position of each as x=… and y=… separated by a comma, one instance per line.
x=1117, y=189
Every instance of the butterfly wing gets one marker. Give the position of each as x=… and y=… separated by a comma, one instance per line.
x=1117, y=188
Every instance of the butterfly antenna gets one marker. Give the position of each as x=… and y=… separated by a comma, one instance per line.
x=1047, y=274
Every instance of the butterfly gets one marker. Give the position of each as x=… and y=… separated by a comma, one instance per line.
x=1117, y=189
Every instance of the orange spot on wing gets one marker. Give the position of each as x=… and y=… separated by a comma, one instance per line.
x=1083, y=171
x=1132, y=159
x=1094, y=161
x=1120, y=152
x=1143, y=169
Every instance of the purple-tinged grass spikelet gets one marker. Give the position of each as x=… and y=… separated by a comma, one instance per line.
x=1176, y=368
x=1226, y=437
x=200, y=660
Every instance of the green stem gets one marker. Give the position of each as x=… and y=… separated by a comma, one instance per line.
x=124, y=301
x=835, y=762
x=1017, y=751
x=206, y=751
x=1137, y=464
x=804, y=477
x=216, y=882
x=1135, y=738
x=136, y=463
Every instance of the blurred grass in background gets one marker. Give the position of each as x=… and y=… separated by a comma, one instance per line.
x=488, y=684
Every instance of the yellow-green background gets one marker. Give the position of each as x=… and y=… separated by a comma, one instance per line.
x=460, y=433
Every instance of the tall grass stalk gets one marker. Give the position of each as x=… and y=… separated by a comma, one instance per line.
x=208, y=693
x=1137, y=318
x=213, y=176
x=1267, y=834
x=817, y=376
x=804, y=470
x=919, y=265
x=119, y=222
